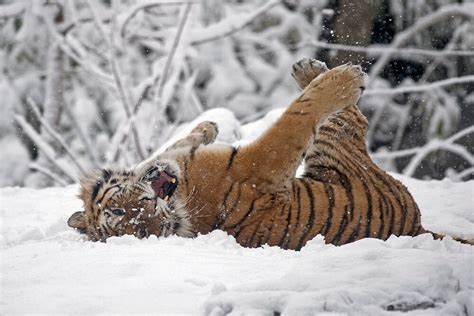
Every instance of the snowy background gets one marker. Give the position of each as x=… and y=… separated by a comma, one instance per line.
x=94, y=83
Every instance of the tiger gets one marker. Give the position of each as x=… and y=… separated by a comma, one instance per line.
x=252, y=191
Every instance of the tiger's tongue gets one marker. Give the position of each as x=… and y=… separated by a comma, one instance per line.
x=158, y=184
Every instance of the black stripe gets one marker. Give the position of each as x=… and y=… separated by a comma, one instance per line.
x=330, y=194
x=381, y=216
x=105, y=192
x=392, y=219
x=284, y=240
x=414, y=221
x=342, y=228
x=298, y=200
x=250, y=210
x=97, y=187
x=298, y=113
x=106, y=174
x=224, y=205
x=232, y=156
x=373, y=171
x=185, y=172
x=368, y=214
x=308, y=226
x=355, y=233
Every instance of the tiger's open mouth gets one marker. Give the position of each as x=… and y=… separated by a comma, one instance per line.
x=164, y=185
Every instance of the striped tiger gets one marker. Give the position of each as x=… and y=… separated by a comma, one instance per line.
x=251, y=192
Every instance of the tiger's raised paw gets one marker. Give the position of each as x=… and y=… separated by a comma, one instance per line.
x=306, y=69
x=208, y=131
x=337, y=88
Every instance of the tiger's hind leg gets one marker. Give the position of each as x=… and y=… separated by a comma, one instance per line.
x=377, y=205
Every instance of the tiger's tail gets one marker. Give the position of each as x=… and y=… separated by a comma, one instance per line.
x=439, y=237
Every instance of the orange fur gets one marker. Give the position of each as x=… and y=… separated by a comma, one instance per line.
x=252, y=193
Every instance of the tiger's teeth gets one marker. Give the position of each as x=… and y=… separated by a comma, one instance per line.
x=166, y=198
x=173, y=180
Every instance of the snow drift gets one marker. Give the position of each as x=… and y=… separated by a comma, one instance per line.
x=48, y=268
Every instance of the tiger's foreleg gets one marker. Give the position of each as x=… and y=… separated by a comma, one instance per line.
x=203, y=134
x=274, y=157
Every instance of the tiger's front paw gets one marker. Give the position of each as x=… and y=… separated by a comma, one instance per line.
x=306, y=69
x=337, y=88
x=207, y=130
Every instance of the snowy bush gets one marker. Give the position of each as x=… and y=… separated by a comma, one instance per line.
x=94, y=83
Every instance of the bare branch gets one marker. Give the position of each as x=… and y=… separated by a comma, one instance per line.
x=12, y=9
x=228, y=26
x=146, y=4
x=97, y=21
x=118, y=80
x=45, y=148
x=461, y=175
x=448, y=11
x=419, y=88
x=82, y=136
x=433, y=145
x=50, y=174
x=412, y=151
x=169, y=59
x=380, y=50
x=56, y=137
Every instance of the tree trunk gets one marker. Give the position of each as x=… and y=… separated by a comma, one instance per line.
x=353, y=26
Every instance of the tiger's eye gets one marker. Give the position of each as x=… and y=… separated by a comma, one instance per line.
x=118, y=211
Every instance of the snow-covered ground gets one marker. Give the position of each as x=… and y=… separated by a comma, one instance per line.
x=48, y=268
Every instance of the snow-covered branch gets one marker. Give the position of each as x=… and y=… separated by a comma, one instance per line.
x=463, y=10
x=128, y=15
x=56, y=137
x=48, y=152
x=420, y=153
x=421, y=87
x=50, y=174
x=164, y=75
x=228, y=26
x=380, y=50
x=121, y=88
x=12, y=9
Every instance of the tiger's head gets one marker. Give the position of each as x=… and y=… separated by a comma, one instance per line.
x=138, y=202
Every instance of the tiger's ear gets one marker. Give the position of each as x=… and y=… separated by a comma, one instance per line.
x=78, y=221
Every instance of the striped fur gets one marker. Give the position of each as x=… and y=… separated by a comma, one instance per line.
x=251, y=192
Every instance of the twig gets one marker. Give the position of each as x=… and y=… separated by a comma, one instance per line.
x=448, y=11
x=44, y=147
x=379, y=50
x=58, y=138
x=66, y=48
x=412, y=151
x=143, y=5
x=12, y=9
x=434, y=144
x=419, y=88
x=82, y=136
x=229, y=26
x=459, y=176
x=48, y=173
x=120, y=87
x=98, y=22
x=162, y=79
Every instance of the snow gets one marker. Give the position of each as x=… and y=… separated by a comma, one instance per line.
x=48, y=268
